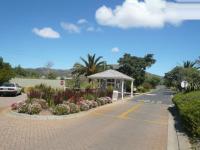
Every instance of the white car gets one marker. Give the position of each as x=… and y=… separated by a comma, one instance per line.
x=10, y=89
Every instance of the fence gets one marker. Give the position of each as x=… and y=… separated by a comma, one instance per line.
x=32, y=82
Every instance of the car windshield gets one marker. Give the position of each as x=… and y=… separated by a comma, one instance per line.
x=8, y=85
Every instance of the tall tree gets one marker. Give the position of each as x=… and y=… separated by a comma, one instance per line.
x=89, y=66
x=6, y=71
x=174, y=77
x=136, y=66
x=189, y=64
x=50, y=73
x=20, y=72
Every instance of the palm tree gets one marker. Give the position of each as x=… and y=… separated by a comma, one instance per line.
x=189, y=64
x=90, y=66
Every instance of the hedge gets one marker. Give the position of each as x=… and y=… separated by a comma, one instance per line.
x=188, y=105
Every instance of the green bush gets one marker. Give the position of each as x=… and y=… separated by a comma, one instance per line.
x=42, y=102
x=84, y=106
x=34, y=109
x=88, y=97
x=109, y=91
x=188, y=105
x=23, y=108
x=101, y=101
x=94, y=104
x=61, y=109
x=74, y=108
x=147, y=86
x=141, y=89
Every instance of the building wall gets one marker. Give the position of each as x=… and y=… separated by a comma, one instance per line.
x=32, y=82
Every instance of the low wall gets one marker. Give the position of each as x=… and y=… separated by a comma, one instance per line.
x=32, y=82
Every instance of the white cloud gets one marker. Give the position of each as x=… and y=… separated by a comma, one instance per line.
x=99, y=29
x=70, y=27
x=188, y=1
x=46, y=32
x=82, y=21
x=91, y=29
x=148, y=13
x=81, y=25
x=115, y=49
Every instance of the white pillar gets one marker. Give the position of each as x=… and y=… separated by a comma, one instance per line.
x=115, y=85
x=99, y=86
x=122, y=89
x=132, y=88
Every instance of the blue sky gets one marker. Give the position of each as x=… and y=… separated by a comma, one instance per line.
x=35, y=32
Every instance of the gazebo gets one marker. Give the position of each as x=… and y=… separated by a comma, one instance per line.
x=115, y=78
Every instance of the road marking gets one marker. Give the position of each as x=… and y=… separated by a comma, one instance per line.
x=150, y=94
x=133, y=119
x=146, y=101
x=124, y=115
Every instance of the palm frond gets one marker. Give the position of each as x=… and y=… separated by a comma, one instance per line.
x=85, y=61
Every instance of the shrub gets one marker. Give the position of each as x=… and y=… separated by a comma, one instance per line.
x=109, y=91
x=67, y=94
x=147, y=86
x=61, y=109
x=108, y=99
x=42, y=102
x=74, y=108
x=58, y=98
x=14, y=106
x=101, y=93
x=89, y=103
x=84, y=106
x=77, y=97
x=34, y=93
x=34, y=109
x=47, y=93
x=101, y=101
x=23, y=108
x=88, y=97
x=94, y=104
x=188, y=105
x=27, y=89
x=98, y=102
x=141, y=89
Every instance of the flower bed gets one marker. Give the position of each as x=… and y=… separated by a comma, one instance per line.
x=56, y=102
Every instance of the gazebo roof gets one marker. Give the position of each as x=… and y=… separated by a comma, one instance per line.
x=110, y=74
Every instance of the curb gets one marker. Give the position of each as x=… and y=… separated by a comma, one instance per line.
x=11, y=113
x=176, y=140
x=172, y=140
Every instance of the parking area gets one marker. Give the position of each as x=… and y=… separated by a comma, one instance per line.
x=6, y=101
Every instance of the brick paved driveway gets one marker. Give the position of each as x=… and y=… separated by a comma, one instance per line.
x=7, y=101
x=132, y=125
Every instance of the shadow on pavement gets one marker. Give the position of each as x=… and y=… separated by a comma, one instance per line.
x=178, y=126
x=180, y=130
